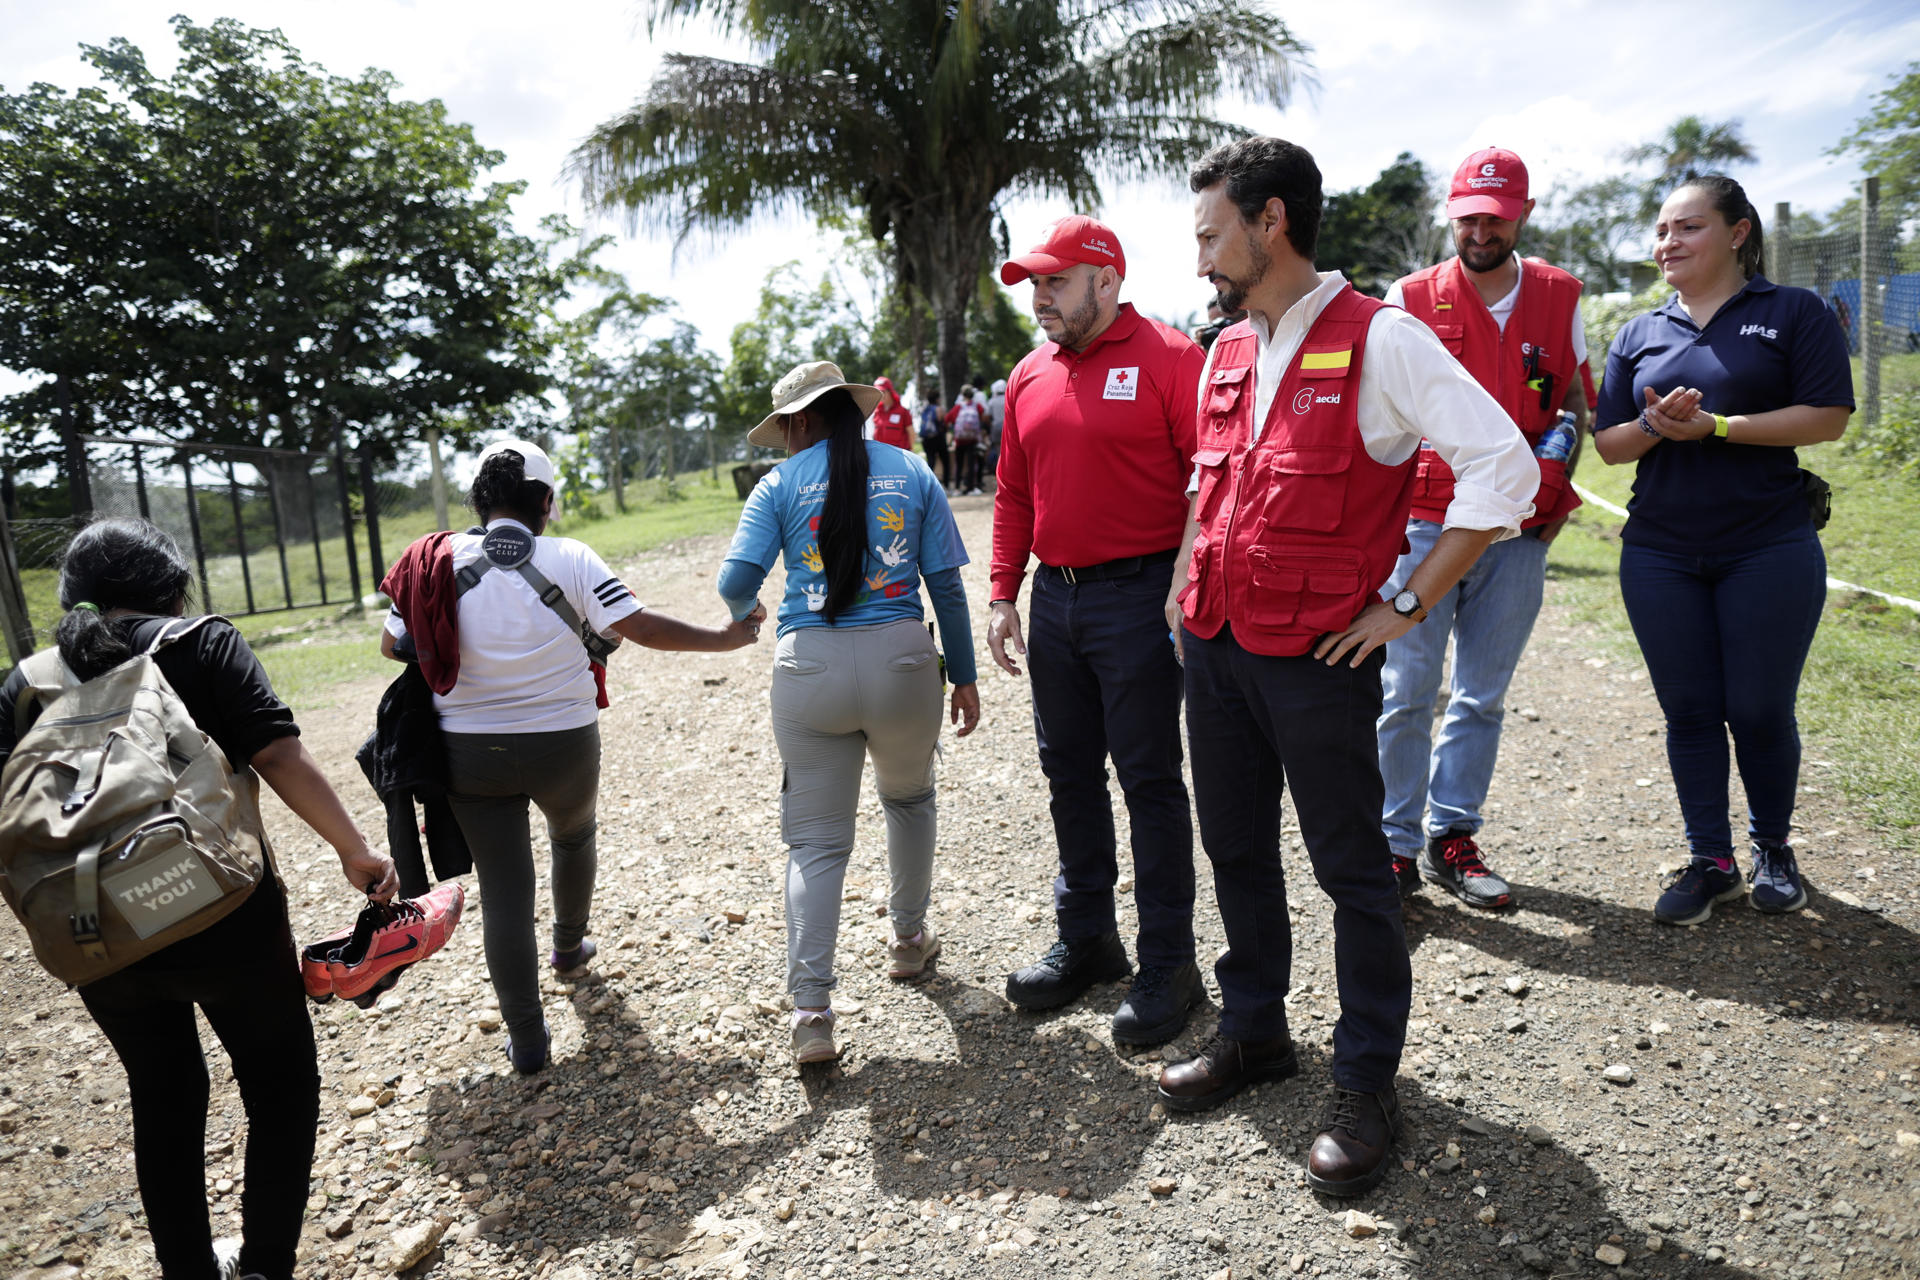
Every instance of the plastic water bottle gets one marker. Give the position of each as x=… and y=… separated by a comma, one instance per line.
x=1556, y=445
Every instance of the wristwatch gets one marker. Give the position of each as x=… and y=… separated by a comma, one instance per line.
x=1408, y=605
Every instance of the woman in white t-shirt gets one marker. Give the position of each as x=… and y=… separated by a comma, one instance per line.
x=519, y=709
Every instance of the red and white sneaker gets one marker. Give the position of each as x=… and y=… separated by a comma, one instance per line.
x=389, y=938
x=313, y=964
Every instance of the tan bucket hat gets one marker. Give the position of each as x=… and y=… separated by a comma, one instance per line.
x=800, y=387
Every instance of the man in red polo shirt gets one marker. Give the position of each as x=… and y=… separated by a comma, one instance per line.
x=892, y=421
x=1094, y=454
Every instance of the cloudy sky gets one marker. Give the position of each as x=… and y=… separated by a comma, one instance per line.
x=1567, y=83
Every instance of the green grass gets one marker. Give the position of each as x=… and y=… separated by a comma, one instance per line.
x=1860, y=695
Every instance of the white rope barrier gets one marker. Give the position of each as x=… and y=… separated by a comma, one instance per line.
x=1833, y=584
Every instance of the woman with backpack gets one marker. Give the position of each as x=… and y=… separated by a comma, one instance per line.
x=507, y=626
x=968, y=418
x=855, y=674
x=124, y=585
x=933, y=436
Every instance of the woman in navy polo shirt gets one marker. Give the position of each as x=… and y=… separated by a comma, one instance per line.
x=1722, y=573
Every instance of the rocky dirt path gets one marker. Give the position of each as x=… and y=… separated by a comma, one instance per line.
x=1587, y=1093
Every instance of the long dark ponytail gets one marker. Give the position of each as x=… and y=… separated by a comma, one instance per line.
x=1729, y=199
x=115, y=564
x=843, y=524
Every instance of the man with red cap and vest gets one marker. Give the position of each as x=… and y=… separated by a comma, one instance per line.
x=1311, y=413
x=1515, y=324
x=892, y=421
x=1095, y=448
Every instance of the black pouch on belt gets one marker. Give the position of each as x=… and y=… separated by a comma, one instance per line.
x=1819, y=498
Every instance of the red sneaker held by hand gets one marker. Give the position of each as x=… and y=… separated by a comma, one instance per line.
x=389, y=937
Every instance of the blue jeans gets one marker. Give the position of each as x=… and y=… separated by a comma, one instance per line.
x=1725, y=637
x=1105, y=683
x=1489, y=615
x=1258, y=724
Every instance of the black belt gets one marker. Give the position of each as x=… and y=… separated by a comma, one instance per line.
x=1124, y=568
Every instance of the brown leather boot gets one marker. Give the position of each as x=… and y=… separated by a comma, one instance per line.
x=1223, y=1068
x=1349, y=1156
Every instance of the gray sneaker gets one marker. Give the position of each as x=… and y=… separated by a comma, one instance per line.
x=1775, y=882
x=813, y=1037
x=907, y=957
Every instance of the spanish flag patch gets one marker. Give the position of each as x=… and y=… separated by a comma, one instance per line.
x=1327, y=361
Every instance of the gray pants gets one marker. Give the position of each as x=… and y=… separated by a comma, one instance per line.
x=491, y=777
x=841, y=694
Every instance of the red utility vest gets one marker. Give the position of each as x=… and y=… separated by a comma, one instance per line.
x=1300, y=529
x=893, y=424
x=1527, y=367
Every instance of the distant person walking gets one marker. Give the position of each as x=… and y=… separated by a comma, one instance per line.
x=892, y=420
x=1094, y=457
x=968, y=418
x=503, y=622
x=855, y=674
x=933, y=437
x=1721, y=568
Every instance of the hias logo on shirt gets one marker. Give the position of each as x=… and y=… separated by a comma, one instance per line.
x=1760, y=329
x=1304, y=399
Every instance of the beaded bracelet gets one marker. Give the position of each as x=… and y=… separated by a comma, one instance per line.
x=1647, y=428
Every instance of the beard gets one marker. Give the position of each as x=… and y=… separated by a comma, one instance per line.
x=1485, y=257
x=1232, y=291
x=1075, y=324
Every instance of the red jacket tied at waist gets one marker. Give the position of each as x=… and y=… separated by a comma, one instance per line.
x=1300, y=529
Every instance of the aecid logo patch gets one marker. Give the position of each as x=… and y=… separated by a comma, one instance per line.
x=1305, y=399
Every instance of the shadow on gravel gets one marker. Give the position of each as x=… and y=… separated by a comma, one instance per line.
x=1828, y=961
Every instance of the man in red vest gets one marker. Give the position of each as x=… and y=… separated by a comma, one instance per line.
x=1515, y=324
x=1311, y=412
x=1094, y=454
x=892, y=421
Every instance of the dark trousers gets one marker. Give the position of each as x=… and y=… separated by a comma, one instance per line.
x=1258, y=724
x=1725, y=637
x=1105, y=683
x=939, y=460
x=966, y=466
x=245, y=976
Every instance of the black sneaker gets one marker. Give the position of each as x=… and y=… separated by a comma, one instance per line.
x=1452, y=861
x=1407, y=873
x=1157, y=1004
x=1068, y=968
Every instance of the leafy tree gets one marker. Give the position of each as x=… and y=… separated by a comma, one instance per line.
x=1690, y=146
x=922, y=114
x=1595, y=230
x=1387, y=229
x=1887, y=142
x=251, y=251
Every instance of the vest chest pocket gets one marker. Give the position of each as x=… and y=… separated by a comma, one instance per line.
x=1452, y=336
x=1219, y=404
x=1317, y=592
x=1305, y=487
x=1211, y=466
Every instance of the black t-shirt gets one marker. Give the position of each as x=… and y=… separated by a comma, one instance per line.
x=221, y=683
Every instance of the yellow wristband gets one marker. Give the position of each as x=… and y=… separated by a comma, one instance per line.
x=1720, y=425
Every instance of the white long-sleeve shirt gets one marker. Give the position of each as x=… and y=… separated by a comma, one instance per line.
x=1411, y=389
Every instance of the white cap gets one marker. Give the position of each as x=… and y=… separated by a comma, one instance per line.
x=999, y=385
x=538, y=465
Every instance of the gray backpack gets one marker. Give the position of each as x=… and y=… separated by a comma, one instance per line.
x=122, y=827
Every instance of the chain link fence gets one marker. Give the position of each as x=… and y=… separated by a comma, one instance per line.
x=1871, y=282
x=267, y=530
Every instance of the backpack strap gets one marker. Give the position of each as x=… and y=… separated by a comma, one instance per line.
x=178, y=629
x=511, y=547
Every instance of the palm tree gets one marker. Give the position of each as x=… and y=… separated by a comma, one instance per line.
x=1690, y=146
x=922, y=114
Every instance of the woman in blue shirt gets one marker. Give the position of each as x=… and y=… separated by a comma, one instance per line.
x=861, y=525
x=1722, y=573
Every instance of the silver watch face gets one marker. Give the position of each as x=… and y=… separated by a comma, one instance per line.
x=1406, y=603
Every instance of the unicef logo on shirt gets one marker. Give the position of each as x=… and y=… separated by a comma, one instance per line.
x=1303, y=401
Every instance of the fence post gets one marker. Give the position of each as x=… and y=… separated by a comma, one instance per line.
x=193, y=525
x=1870, y=302
x=370, y=502
x=346, y=517
x=13, y=600
x=1780, y=245
x=439, y=480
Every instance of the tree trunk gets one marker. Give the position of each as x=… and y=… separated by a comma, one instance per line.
x=950, y=317
x=79, y=484
x=613, y=468
x=438, y=482
x=917, y=335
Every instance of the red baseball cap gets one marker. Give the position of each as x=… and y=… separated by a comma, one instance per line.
x=1073, y=239
x=1492, y=181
